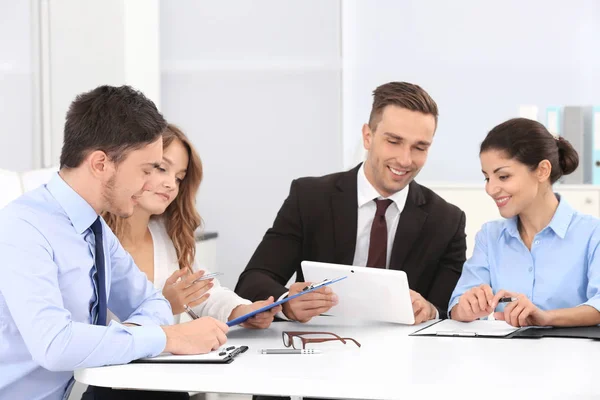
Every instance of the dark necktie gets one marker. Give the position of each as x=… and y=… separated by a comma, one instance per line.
x=378, y=242
x=100, y=273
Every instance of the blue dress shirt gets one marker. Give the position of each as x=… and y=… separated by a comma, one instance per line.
x=47, y=292
x=562, y=270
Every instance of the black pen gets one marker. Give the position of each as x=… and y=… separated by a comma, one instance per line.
x=507, y=300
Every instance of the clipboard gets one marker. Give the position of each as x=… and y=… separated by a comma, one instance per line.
x=214, y=357
x=308, y=289
x=576, y=332
x=501, y=330
x=477, y=328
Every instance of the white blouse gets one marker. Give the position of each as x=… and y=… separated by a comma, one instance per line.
x=221, y=301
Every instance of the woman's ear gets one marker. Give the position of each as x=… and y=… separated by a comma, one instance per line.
x=543, y=170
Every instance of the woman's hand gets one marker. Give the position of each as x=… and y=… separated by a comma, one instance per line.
x=520, y=312
x=475, y=303
x=259, y=321
x=181, y=290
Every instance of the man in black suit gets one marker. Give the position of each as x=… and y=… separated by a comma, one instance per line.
x=374, y=215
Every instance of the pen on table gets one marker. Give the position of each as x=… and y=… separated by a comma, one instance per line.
x=289, y=351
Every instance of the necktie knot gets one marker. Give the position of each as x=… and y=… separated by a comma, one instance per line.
x=97, y=226
x=382, y=206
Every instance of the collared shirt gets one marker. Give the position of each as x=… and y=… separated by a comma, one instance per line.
x=562, y=270
x=366, y=213
x=366, y=193
x=46, y=295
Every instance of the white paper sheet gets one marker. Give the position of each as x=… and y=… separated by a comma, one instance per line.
x=451, y=327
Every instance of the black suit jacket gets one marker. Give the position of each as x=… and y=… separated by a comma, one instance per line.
x=318, y=222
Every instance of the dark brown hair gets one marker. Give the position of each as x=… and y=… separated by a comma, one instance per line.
x=112, y=119
x=529, y=142
x=401, y=94
x=181, y=217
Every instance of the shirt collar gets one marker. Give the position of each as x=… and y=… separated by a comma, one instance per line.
x=562, y=218
x=559, y=223
x=366, y=192
x=79, y=211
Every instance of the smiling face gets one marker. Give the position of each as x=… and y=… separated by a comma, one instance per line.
x=514, y=186
x=167, y=180
x=398, y=148
x=131, y=179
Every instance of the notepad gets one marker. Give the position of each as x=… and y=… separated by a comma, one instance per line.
x=482, y=328
x=214, y=357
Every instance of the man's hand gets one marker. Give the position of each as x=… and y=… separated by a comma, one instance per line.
x=199, y=336
x=521, y=312
x=180, y=290
x=473, y=304
x=259, y=321
x=303, y=308
x=422, y=309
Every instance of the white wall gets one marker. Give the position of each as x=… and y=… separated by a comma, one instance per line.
x=92, y=43
x=479, y=60
x=16, y=87
x=256, y=86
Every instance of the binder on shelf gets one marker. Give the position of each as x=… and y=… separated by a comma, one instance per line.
x=577, y=129
x=596, y=146
x=553, y=120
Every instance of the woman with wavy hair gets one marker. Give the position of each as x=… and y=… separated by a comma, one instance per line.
x=160, y=236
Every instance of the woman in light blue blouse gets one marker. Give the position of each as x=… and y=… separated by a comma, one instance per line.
x=544, y=258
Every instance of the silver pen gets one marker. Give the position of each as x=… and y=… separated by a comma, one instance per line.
x=208, y=276
x=289, y=351
x=190, y=312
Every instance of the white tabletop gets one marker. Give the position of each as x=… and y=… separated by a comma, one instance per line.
x=389, y=365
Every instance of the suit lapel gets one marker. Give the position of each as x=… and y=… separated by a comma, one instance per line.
x=409, y=228
x=344, y=208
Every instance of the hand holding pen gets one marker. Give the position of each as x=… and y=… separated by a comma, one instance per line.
x=520, y=310
x=186, y=290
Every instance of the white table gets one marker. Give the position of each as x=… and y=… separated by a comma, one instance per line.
x=390, y=365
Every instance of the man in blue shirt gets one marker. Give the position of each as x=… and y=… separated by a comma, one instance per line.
x=62, y=267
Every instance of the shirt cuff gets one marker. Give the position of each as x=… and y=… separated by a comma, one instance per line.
x=451, y=305
x=228, y=309
x=148, y=340
x=280, y=314
x=593, y=302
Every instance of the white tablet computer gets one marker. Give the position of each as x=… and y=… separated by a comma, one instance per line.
x=367, y=294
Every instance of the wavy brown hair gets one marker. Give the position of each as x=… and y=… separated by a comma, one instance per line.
x=181, y=217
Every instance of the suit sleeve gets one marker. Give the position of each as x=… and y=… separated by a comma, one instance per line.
x=449, y=269
x=278, y=255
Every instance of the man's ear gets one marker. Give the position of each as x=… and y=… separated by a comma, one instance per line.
x=543, y=170
x=367, y=135
x=99, y=164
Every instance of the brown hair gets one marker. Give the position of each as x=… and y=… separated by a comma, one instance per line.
x=115, y=120
x=401, y=94
x=529, y=142
x=181, y=217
